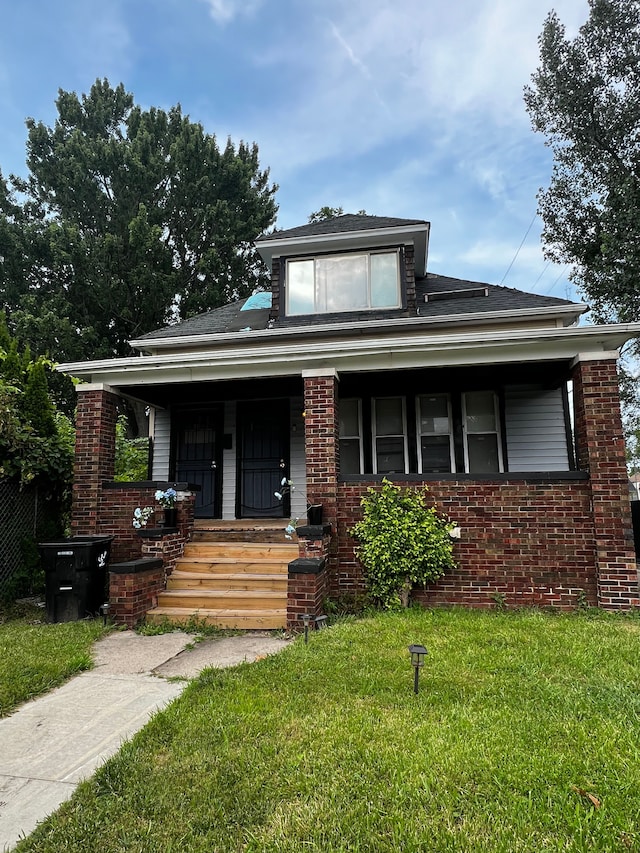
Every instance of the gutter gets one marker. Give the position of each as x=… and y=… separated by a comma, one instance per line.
x=331, y=329
x=379, y=353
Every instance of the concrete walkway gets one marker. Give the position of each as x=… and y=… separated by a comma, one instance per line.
x=49, y=744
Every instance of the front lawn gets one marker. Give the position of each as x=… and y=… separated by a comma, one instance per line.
x=525, y=736
x=35, y=656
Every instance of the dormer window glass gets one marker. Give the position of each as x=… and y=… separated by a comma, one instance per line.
x=337, y=283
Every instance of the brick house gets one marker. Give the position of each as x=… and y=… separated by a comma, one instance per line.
x=359, y=364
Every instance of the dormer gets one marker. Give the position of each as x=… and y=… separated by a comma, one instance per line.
x=345, y=265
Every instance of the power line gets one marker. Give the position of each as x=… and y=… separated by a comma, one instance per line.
x=519, y=247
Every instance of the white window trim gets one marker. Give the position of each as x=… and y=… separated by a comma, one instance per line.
x=368, y=255
x=496, y=432
x=358, y=401
x=419, y=433
x=374, y=435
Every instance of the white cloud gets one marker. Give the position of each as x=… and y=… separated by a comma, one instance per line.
x=224, y=11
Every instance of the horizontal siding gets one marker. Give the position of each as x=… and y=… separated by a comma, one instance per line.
x=536, y=430
x=298, y=466
x=229, y=463
x=161, y=444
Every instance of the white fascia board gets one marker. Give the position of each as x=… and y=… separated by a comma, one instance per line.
x=363, y=354
x=553, y=312
x=416, y=234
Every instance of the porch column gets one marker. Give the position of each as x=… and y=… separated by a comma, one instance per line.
x=321, y=434
x=601, y=451
x=95, y=453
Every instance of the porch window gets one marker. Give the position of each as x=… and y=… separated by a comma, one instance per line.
x=482, y=446
x=389, y=422
x=349, y=282
x=434, y=434
x=351, y=455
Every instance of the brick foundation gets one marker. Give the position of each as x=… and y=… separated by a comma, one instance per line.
x=528, y=540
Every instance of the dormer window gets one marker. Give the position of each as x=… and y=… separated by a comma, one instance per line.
x=347, y=282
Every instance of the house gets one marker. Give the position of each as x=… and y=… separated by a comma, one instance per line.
x=359, y=364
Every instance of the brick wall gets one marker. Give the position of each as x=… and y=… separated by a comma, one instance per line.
x=131, y=594
x=94, y=458
x=117, y=503
x=601, y=451
x=529, y=541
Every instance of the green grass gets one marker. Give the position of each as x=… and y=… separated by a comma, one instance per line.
x=35, y=656
x=525, y=736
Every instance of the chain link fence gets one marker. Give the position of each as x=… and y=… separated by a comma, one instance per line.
x=22, y=513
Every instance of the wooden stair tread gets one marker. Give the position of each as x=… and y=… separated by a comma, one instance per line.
x=211, y=593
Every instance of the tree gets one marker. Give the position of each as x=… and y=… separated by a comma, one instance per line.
x=327, y=212
x=585, y=98
x=134, y=218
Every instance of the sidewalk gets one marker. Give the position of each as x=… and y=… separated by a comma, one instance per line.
x=51, y=743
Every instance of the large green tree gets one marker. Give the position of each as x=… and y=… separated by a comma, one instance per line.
x=585, y=99
x=131, y=218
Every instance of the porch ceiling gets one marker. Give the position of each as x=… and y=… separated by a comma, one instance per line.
x=356, y=353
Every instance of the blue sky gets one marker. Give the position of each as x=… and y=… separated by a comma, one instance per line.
x=410, y=108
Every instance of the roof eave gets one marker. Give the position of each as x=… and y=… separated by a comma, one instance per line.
x=416, y=234
x=570, y=312
x=409, y=351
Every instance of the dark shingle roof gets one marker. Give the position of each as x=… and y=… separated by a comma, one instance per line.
x=231, y=317
x=341, y=224
x=498, y=298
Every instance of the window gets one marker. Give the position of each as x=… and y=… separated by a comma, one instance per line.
x=482, y=447
x=389, y=435
x=351, y=459
x=335, y=283
x=434, y=434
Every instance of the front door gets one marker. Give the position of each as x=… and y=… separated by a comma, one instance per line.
x=198, y=456
x=263, y=449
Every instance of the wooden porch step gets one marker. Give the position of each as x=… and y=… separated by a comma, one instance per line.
x=214, y=599
x=228, y=565
x=184, y=579
x=242, y=550
x=248, y=620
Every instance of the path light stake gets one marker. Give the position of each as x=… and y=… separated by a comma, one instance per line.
x=104, y=611
x=417, y=660
x=306, y=620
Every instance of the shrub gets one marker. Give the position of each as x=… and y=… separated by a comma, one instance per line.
x=401, y=541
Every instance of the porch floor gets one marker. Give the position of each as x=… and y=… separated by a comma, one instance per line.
x=232, y=574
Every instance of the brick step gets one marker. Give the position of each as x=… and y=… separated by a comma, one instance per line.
x=231, y=565
x=248, y=620
x=213, y=599
x=243, y=550
x=180, y=579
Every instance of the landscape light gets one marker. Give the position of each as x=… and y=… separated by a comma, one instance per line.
x=417, y=660
x=306, y=620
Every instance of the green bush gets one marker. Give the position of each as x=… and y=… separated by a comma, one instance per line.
x=132, y=455
x=401, y=541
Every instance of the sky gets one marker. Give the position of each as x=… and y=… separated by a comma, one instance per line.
x=408, y=108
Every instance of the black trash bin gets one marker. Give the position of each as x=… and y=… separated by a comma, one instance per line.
x=75, y=576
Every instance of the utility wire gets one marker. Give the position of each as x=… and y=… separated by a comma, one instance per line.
x=562, y=272
x=519, y=247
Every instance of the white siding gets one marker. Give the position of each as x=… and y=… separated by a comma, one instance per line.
x=536, y=431
x=229, y=463
x=298, y=466
x=160, y=427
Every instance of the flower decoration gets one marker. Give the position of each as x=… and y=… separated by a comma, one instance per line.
x=141, y=516
x=286, y=486
x=166, y=499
